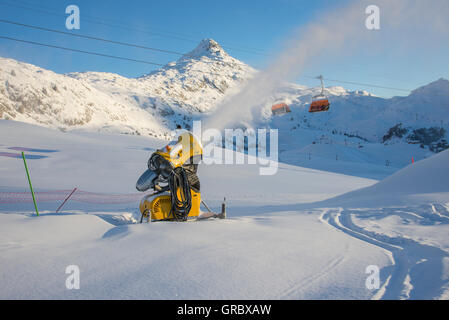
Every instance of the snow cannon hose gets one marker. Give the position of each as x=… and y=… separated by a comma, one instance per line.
x=181, y=198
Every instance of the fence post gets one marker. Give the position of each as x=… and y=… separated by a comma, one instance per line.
x=29, y=181
x=68, y=197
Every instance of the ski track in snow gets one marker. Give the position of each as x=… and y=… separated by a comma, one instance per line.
x=291, y=292
x=417, y=268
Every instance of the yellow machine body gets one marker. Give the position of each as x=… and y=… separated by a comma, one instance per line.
x=183, y=151
x=180, y=152
x=159, y=207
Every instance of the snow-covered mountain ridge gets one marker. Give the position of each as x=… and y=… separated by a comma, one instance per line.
x=150, y=105
x=191, y=88
x=359, y=113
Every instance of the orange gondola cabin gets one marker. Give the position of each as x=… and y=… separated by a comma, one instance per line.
x=320, y=102
x=319, y=105
x=280, y=108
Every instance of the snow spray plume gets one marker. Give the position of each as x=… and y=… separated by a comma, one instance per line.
x=341, y=28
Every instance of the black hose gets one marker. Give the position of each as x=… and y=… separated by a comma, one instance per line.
x=182, y=203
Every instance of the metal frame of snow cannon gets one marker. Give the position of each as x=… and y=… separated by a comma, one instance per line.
x=211, y=214
x=203, y=216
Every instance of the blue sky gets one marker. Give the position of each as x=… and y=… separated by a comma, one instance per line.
x=251, y=31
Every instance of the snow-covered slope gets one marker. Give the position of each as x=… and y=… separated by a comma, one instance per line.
x=192, y=87
x=181, y=90
x=150, y=105
x=359, y=113
x=360, y=128
x=34, y=95
x=289, y=221
x=427, y=176
x=243, y=257
x=426, y=180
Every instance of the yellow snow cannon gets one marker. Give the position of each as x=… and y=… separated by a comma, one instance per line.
x=172, y=175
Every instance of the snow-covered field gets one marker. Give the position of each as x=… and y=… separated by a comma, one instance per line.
x=302, y=233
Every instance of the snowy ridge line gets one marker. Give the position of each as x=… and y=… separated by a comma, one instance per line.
x=60, y=195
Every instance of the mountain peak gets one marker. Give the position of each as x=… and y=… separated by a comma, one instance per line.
x=438, y=87
x=208, y=47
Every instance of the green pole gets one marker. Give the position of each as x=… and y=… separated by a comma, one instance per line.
x=29, y=181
